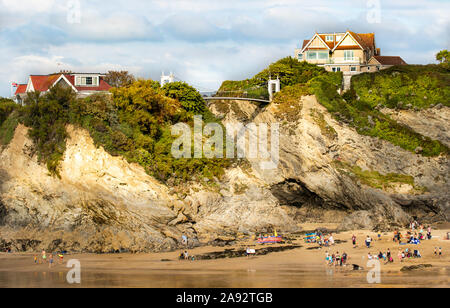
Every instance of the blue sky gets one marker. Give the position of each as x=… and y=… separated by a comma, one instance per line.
x=204, y=41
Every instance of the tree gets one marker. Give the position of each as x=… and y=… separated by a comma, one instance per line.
x=189, y=97
x=118, y=79
x=7, y=106
x=443, y=56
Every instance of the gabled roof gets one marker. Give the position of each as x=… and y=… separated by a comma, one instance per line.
x=21, y=89
x=389, y=60
x=364, y=40
x=310, y=41
x=43, y=83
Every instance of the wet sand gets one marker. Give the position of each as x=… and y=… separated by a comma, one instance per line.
x=301, y=267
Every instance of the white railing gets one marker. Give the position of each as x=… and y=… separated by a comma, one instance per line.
x=344, y=60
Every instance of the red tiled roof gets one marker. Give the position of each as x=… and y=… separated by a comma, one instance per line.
x=103, y=85
x=390, y=60
x=43, y=82
x=21, y=89
x=366, y=40
x=305, y=42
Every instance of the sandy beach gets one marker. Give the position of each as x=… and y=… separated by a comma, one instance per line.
x=301, y=267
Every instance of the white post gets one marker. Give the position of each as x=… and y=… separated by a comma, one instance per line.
x=277, y=87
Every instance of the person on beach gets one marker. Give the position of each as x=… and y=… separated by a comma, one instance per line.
x=388, y=255
x=44, y=256
x=331, y=239
x=186, y=255
x=338, y=259
x=61, y=258
x=354, y=240
x=379, y=235
x=35, y=259
x=440, y=252
x=368, y=241
x=344, y=259
x=50, y=261
x=435, y=251
x=400, y=255
x=369, y=256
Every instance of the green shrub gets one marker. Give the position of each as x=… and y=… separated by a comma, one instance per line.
x=189, y=97
x=406, y=86
x=289, y=70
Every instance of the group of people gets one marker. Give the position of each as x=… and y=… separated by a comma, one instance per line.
x=336, y=259
x=413, y=236
x=436, y=251
x=323, y=240
x=48, y=259
x=408, y=254
x=184, y=255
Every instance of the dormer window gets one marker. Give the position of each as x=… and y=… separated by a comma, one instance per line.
x=86, y=81
x=329, y=38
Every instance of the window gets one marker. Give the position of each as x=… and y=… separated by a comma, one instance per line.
x=300, y=56
x=338, y=38
x=336, y=69
x=317, y=55
x=353, y=69
x=86, y=81
x=329, y=38
x=312, y=55
x=348, y=54
x=323, y=55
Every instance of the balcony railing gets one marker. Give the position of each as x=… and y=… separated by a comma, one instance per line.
x=346, y=60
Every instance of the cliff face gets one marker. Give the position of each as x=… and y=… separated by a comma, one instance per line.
x=327, y=173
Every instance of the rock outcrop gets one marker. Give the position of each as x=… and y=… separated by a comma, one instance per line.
x=103, y=203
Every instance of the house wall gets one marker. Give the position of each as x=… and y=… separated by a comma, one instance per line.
x=348, y=41
x=356, y=52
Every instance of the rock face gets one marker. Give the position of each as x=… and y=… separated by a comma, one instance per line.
x=102, y=203
x=310, y=187
x=431, y=122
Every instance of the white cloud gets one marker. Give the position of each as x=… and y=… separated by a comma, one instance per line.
x=36, y=6
x=202, y=41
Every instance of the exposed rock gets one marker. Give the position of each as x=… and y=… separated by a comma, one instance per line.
x=104, y=204
x=430, y=122
x=415, y=267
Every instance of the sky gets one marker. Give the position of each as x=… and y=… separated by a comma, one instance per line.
x=203, y=42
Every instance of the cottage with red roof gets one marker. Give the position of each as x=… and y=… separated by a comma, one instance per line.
x=83, y=84
x=348, y=52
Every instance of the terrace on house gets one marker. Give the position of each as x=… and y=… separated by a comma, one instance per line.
x=349, y=52
x=83, y=84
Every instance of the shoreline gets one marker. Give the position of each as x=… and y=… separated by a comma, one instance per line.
x=298, y=267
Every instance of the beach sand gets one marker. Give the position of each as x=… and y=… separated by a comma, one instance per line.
x=301, y=267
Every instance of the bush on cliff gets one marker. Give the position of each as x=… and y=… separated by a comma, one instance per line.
x=9, y=113
x=134, y=122
x=405, y=86
x=289, y=70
